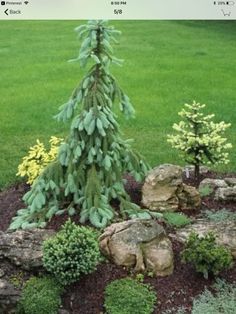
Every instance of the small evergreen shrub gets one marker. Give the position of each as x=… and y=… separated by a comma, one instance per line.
x=73, y=251
x=206, y=190
x=176, y=219
x=37, y=159
x=40, y=296
x=223, y=301
x=128, y=296
x=199, y=139
x=206, y=256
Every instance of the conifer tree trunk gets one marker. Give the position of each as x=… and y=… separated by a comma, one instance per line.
x=197, y=174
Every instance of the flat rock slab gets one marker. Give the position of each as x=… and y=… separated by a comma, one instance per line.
x=138, y=243
x=225, y=232
x=24, y=248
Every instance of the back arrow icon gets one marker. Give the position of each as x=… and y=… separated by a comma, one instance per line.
x=6, y=11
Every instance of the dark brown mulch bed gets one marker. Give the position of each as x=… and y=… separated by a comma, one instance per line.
x=173, y=291
x=86, y=296
x=10, y=202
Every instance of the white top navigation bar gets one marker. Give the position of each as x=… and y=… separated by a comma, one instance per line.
x=117, y=9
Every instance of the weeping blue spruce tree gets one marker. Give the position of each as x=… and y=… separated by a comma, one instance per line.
x=88, y=171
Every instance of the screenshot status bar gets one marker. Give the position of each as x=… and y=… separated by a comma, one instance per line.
x=117, y=9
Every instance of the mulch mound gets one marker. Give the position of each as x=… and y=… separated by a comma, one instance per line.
x=86, y=296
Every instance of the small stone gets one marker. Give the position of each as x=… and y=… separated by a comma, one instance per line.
x=189, y=170
x=63, y=311
x=231, y=181
x=226, y=194
x=213, y=184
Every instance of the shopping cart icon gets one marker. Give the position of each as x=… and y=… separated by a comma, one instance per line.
x=226, y=13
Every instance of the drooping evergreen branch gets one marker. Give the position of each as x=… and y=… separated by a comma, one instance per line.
x=88, y=171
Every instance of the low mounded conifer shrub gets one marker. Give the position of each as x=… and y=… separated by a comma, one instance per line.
x=206, y=256
x=40, y=296
x=72, y=252
x=128, y=296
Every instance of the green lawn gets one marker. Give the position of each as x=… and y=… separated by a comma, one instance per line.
x=167, y=63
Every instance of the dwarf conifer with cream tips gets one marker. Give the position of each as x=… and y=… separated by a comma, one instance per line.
x=200, y=139
x=88, y=172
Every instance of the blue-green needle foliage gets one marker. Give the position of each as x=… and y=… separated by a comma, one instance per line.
x=87, y=174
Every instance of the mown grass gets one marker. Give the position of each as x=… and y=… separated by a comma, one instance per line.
x=167, y=63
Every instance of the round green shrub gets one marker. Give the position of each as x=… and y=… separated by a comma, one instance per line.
x=40, y=296
x=73, y=251
x=128, y=296
x=206, y=255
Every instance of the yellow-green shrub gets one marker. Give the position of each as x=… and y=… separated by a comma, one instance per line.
x=37, y=159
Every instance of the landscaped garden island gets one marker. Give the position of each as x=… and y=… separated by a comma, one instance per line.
x=93, y=226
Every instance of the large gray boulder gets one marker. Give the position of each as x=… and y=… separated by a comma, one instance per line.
x=163, y=190
x=225, y=232
x=24, y=248
x=141, y=244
